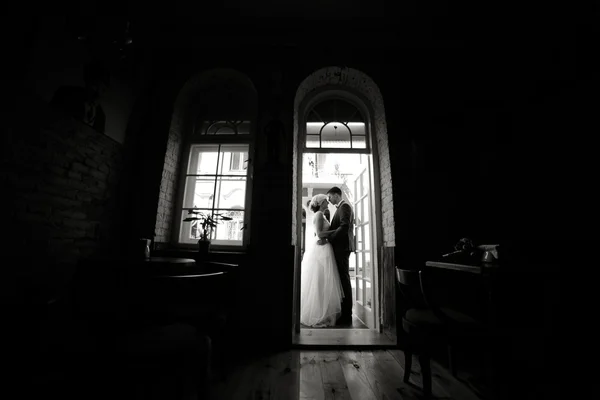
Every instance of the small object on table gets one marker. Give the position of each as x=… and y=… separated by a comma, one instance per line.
x=490, y=252
x=144, y=248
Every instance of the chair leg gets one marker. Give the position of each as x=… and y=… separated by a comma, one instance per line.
x=426, y=374
x=452, y=361
x=407, y=365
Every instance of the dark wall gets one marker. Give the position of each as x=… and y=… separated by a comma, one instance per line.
x=481, y=134
x=61, y=175
x=471, y=126
x=59, y=48
x=60, y=178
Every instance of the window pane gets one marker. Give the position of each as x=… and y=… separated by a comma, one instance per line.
x=367, y=237
x=364, y=180
x=368, y=266
x=359, y=189
x=192, y=230
x=368, y=294
x=359, y=271
x=334, y=131
x=336, y=144
x=357, y=128
x=231, y=192
x=312, y=141
x=233, y=160
x=203, y=159
x=359, y=212
x=359, y=291
x=199, y=192
x=189, y=230
x=366, y=209
x=359, y=142
x=229, y=230
x=313, y=128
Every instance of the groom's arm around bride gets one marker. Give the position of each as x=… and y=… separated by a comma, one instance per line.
x=341, y=235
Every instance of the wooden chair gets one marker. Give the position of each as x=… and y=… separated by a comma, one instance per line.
x=427, y=325
x=170, y=362
x=200, y=301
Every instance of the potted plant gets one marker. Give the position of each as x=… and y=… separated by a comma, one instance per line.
x=205, y=224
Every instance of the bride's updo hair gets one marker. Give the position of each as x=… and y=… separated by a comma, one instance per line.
x=316, y=201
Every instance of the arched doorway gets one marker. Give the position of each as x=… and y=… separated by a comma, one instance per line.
x=355, y=89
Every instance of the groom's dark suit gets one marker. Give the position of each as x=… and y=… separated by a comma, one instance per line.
x=342, y=241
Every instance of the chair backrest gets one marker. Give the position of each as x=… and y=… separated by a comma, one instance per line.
x=407, y=277
x=409, y=281
x=416, y=294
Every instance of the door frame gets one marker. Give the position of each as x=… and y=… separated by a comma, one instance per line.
x=360, y=101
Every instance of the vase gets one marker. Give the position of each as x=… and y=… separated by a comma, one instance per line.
x=143, y=251
x=203, y=247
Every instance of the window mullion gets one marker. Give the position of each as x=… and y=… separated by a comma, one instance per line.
x=216, y=179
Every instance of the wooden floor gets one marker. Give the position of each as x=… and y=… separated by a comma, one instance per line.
x=341, y=337
x=357, y=334
x=356, y=324
x=330, y=374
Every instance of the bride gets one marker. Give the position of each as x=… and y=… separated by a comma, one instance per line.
x=320, y=286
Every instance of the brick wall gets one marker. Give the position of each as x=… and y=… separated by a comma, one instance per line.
x=59, y=180
x=168, y=185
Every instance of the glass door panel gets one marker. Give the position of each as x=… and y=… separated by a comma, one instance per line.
x=363, y=306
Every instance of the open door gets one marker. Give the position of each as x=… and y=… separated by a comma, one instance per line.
x=363, y=260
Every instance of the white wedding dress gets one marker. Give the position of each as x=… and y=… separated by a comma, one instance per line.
x=320, y=286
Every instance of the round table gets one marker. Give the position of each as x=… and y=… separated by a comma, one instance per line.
x=179, y=262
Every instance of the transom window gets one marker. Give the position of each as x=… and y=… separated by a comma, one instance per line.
x=335, y=124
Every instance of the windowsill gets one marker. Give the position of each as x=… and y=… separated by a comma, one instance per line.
x=192, y=248
x=236, y=257
x=193, y=251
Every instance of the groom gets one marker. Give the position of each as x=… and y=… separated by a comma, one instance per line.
x=342, y=241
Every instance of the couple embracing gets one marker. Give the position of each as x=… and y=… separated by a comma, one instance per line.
x=325, y=291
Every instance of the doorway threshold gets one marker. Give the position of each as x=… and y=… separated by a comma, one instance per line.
x=342, y=338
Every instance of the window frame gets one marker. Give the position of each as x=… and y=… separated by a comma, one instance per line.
x=196, y=138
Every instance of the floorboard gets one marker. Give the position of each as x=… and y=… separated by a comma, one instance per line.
x=342, y=337
x=335, y=375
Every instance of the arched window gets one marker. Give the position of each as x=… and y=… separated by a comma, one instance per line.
x=216, y=177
